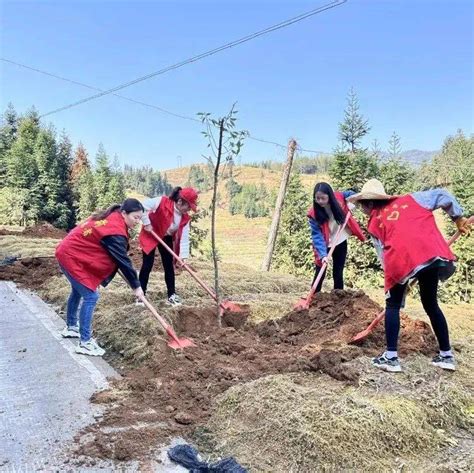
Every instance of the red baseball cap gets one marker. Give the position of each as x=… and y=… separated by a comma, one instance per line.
x=190, y=195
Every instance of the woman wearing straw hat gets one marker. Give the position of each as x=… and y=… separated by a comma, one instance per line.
x=326, y=215
x=168, y=218
x=410, y=245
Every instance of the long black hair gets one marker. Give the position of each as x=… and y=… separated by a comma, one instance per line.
x=174, y=196
x=320, y=212
x=127, y=206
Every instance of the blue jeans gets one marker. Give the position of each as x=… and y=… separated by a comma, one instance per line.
x=89, y=301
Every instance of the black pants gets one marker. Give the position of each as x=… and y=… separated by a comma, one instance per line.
x=168, y=266
x=428, y=281
x=338, y=262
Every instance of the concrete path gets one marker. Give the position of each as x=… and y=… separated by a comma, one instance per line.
x=45, y=389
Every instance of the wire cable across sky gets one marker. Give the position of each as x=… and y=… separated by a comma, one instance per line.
x=140, y=102
x=211, y=52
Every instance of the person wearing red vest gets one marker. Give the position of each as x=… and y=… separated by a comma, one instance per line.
x=410, y=245
x=325, y=217
x=168, y=218
x=89, y=256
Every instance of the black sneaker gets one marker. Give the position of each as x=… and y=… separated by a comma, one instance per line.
x=444, y=362
x=387, y=364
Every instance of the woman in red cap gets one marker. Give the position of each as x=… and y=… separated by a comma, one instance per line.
x=168, y=218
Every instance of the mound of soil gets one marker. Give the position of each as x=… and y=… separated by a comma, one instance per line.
x=30, y=272
x=43, y=230
x=174, y=393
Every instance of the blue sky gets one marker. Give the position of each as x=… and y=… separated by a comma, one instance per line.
x=410, y=62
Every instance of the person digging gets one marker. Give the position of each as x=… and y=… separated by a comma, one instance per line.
x=168, y=218
x=410, y=245
x=89, y=256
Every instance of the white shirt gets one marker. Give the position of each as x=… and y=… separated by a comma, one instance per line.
x=334, y=227
x=150, y=205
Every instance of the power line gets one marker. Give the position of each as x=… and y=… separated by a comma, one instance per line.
x=139, y=102
x=211, y=52
x=82, y=84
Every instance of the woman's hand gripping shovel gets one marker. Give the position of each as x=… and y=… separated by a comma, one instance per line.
x=359, y=337
x=174, y=342
x=223, y=305
x=304, y=303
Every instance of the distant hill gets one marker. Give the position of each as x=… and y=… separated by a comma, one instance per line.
x=417, y=156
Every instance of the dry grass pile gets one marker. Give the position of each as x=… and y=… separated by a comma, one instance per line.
x=18, y=245
x=306, y=423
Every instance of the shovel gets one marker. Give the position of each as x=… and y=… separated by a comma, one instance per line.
x=174, y=342
x=359, y=337
x=223, y=305
x=304, y=303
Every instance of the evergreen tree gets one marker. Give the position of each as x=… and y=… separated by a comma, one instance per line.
x=293, y=251
x=116, y=190
x=22, y=170
x=354, y=127
x=102, y=177
x=65, y=212
x=397, y=176
x=8, y=131
x=47, y=184
x=394, y=146
x=21, y=166
x=352, y=170
x=80, y=163
x=87, y=194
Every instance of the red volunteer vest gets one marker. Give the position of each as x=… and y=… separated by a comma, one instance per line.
x=352, y=224
x=409, y=235
x=161, y=219
x=81, y=254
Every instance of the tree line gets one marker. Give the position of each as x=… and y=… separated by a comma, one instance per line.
x=44, y=179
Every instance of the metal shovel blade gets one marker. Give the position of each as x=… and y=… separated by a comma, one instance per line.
x=301, y=305
x=359, y=337
x=231, y=306
x=178, y=343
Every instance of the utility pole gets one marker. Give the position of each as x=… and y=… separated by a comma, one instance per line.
x=267, y=260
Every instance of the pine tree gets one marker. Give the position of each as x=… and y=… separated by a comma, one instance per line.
x=66, y=211
x=8, y=132
x=22, y=170
x=352, y=170
x=354, y=127
x=116, y=190
x=21, y=166
x=80, y=163
x=47, y=184
x=102, y=177
x=394, y=146
x=87, y=195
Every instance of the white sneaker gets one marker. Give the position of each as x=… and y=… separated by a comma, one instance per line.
x=90, y=348
x=139, y=303
x=174, y=300
x=71, y=332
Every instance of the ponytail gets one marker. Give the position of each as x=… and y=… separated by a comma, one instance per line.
x=174, y=196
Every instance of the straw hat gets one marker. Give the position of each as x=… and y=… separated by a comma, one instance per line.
x=372, y=190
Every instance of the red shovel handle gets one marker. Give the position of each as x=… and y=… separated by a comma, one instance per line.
x=185, y=266
x=324, y=266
